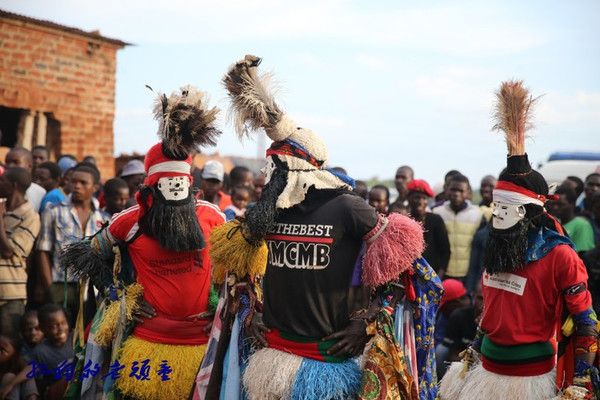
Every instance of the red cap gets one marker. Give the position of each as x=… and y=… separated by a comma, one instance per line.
x=418, y=185
x=453, y=289
x=158, y=165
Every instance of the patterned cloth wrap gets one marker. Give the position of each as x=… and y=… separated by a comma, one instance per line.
x=385, y=374
x=428, y=292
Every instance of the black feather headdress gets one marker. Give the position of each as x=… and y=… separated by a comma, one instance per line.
x=185, y=121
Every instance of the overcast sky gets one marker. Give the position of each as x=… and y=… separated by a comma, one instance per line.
x=385, y=83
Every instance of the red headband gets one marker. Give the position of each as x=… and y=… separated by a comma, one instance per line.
x=511, y=187
x=285, y=148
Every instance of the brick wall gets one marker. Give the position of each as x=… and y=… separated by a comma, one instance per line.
x=69, y=75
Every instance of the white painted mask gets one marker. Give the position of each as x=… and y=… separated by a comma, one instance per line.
x=506, y=215
x=174, y=188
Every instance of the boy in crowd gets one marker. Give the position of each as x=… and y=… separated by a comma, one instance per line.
x=116, y=195
x=54, y=349
x=39, y=154
x=592, y=185
x=454, y=297
x=579, y=229
x=48, y=176
x=485, y=189
x=133, y=174
x=462, y=220
x=404, y=175
x=31, y=332
x=240, y=176
x=240, y=197
x=51, y=361
x=258, y=184
x=19, y=226
x=437, y=249
x=67, y=222
x=21, y=157
x=212, y=185
x=379, y=198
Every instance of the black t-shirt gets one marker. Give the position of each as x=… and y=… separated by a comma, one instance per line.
x=437, y=245
x=461, y=329
x=312, y=252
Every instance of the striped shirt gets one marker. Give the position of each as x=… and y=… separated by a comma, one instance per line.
x=61, y=227
x=22, y=226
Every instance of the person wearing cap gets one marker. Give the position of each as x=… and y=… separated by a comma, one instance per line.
x=168, y=293
x=305, y=234
x=454, y=297
x=461, y=329
x=212, y=185
x=532, y=277
x=133, y=174
x=437, y=246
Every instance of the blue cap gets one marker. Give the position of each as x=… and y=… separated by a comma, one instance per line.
x=66, y=163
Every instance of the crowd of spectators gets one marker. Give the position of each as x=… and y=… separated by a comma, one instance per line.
x=46, y=205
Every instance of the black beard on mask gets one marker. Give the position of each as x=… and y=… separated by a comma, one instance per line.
x=173, y=224
x=260, y=219
x=505, y=248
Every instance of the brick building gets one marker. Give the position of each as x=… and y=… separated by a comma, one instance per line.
x=57, y=88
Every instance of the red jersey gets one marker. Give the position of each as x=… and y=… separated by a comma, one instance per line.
x=525, y=305
x=176, y=284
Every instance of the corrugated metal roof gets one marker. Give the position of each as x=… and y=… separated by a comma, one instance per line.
x=52, y=25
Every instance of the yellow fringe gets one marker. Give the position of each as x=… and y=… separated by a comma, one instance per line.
x=108, y=326
x=183, y=360
x=229, y=250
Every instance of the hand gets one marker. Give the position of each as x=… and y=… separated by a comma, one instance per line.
x=144, y=311
x=2, y=206
x=205, y=315
x=207, y=328
x=256, y=332
x=352, y=340
x=398, y=293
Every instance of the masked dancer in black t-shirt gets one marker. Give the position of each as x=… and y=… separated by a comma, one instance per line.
x=303, y=237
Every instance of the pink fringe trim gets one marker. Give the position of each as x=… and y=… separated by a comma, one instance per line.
x=393, y=251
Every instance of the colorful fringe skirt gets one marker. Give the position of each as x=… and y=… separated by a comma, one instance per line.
x=274, y=374
x=171, y=373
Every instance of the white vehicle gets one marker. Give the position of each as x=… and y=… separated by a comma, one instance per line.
x=563, y=164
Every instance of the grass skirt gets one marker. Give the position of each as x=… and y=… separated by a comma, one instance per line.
x=272, y=374
x=183, y=360
x=482, y=384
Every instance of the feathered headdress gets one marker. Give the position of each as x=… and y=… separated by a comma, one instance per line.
x=300, y=151
x=252, y=100
x=513, y=115
x=185, y=123
x=519, y=183
x=253, y=107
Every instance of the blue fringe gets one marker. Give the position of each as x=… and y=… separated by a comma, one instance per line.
x=321, y=380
